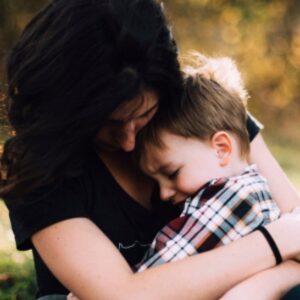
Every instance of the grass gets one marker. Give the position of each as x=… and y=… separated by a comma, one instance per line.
x=286, y=150
x=17, y=278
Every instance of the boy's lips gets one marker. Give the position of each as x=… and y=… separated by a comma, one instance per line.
x=177, y=202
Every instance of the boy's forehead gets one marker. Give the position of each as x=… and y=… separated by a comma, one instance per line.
x=156, y=156
x=153, y=158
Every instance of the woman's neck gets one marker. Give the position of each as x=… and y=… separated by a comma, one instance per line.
x=128, y=176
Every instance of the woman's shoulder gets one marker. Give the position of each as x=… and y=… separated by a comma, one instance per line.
x=71, y=187
x=69, y=198
x=44, y=207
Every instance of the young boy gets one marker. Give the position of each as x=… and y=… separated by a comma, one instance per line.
x=198, y=154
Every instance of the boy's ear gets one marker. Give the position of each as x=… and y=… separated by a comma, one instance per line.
x=222, y=144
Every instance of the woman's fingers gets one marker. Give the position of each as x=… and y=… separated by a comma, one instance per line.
x=296, y=210
x=294, y=216
x=285, y=232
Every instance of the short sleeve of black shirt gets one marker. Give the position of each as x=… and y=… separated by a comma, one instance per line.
x=48, y=206
x=253, y=127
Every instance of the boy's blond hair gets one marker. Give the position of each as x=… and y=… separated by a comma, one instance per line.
x=214, y=100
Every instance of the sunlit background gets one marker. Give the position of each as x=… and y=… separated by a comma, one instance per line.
x=263, y=37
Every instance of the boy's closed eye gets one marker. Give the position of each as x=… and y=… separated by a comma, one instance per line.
x=173, y=175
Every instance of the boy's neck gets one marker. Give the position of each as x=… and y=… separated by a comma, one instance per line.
x=236, y=166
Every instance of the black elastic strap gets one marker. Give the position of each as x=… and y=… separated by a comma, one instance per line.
x=272, y=244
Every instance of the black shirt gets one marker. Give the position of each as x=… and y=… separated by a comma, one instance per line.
x=97, y=196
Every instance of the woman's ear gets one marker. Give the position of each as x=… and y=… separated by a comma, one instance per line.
x=222, y=144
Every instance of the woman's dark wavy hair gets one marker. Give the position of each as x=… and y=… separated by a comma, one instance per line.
x=74, y=63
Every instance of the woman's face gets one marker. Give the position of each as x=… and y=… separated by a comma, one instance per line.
x=120, y=129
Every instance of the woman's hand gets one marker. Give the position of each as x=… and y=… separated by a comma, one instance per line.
x=285, y=232
x=294, y=216
x=271, y=284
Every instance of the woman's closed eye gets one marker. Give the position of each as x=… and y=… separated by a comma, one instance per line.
x=148, y=113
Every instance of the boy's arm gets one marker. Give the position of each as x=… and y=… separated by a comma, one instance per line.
x=271, y=284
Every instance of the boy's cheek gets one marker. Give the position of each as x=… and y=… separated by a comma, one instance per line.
x=187, y=187
x=190, y=185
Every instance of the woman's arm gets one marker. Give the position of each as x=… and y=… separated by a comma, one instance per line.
x=285, y=194
x=88, y=264
x=271, y=284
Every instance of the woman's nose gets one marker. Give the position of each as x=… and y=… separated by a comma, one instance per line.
x=127, y=136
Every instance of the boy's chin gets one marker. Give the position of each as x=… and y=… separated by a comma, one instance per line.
x=178, y=202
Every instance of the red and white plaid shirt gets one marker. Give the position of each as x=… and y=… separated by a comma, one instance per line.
x=223, y=210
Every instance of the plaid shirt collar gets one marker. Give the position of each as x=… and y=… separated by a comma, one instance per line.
x=213, y=186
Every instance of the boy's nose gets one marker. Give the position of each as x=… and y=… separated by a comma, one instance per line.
x=166, y=193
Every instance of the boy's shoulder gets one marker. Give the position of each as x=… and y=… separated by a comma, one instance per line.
x=249, y=183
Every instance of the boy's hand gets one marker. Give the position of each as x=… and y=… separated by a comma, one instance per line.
x=71, y=296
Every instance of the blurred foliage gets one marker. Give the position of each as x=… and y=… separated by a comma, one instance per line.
x=262, y=36
x=17, y=280
x=17, y=277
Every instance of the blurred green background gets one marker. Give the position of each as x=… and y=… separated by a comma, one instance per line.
x=264, y=39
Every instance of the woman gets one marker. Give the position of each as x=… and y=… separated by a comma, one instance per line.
x=84, y=78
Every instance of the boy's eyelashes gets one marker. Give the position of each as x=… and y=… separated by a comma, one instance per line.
x=173, y=175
